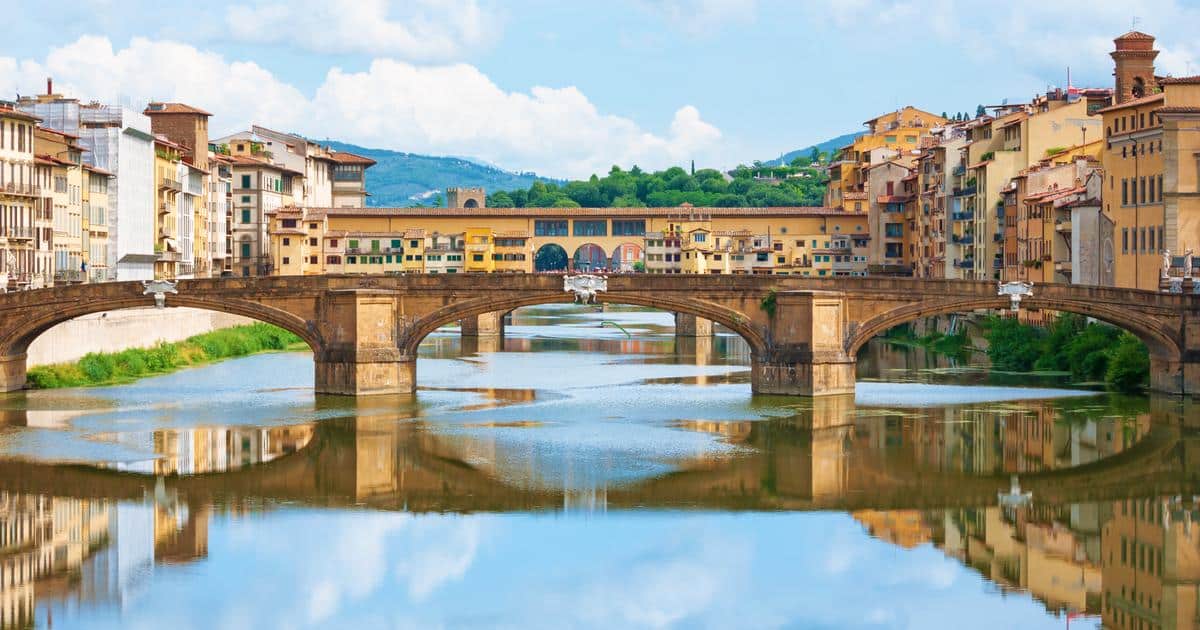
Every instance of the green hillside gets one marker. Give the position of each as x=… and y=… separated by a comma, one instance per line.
x=408, y=179
x=828, y=146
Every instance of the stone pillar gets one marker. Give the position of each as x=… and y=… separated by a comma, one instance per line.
x=485, y=325
x=692, y=326
x=361, y=355
x=12, y=372
x=1175, y=376
x=806, y=354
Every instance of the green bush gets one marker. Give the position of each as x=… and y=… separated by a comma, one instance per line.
x=1128, y=365
x=1013, y=346
x=105, y=368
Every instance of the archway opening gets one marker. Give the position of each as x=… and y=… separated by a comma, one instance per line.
x=550, y=257
x=590, y=257
x=627, y=258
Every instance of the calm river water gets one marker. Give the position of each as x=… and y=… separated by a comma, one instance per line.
x=585, y=478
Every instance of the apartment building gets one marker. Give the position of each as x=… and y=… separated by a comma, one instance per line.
x=890, y=135
x=96, y=204
x=20, y=200
x=59, y=166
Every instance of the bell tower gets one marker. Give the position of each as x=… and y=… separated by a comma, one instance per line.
x=1134, y=66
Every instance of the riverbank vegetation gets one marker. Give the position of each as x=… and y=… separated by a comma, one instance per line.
x=107, y=368
x=1089, y=351
x=956, y=344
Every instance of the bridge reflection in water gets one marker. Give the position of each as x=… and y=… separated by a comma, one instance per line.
x=1109, y=530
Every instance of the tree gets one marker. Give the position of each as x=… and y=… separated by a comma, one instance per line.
x=500, y=199
x=814, y=156
x=980, y=111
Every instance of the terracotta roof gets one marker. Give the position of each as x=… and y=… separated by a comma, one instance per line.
x=245, y=160
x=561, y=213
x=57, y=132
x=1178, y=110
x=893, y=198
x=173, y=108
x=8, y=112
x=1192, y=80
x=345, y=157
x=1145, y=100
x=97, y=170
x=1134, y=35
x=43, y=158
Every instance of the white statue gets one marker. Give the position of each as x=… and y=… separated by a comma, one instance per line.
x=1015, y=291
x=585, y=287
x=159, y=289
x=1166, y=269
x=1187, y=263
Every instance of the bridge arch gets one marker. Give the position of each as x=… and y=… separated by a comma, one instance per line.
x=15, y=341
x=730, y=318
x=1162, y=342
x=625, y=255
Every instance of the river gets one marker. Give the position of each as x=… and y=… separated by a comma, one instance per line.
x=597, y=473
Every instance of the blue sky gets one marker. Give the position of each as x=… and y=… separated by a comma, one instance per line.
x=571, y=88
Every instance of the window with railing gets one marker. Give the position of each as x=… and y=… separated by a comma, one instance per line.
x=590, y=228
x=628, y=227
x=556, y=227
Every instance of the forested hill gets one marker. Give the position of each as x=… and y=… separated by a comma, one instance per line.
x=406, y=179
x=828, y=148
x=799, y=185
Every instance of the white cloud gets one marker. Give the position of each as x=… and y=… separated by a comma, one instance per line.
x=1041, y=38
x=443, y=109
x=426, y=30
x=698, y=17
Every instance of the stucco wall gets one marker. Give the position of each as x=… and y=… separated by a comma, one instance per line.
x=119, y=330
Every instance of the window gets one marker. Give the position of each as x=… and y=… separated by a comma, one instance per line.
x=333, y=242
x=312, y=226
x=245, y=184
x=1152, y=241
x=245, y=198
x=1124, y=192
x=245, y=215
x=477, y=257
x=557, y=227
x=286, y=260
x=1124, y=240
x=245, y=250
x=890, y=230
x=289, y=223
x=700, y=237
x=287, y=241
x=374, y=245
x=629, y=227
x=350, y=260
x=890, y=139
x=312, y=260
x=1161, y=238
x=312, y=242
x=590, y=228
x=352, y=244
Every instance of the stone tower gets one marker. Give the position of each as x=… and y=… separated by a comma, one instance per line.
x=1134, y=71
x=466, y=198
x=184, y=125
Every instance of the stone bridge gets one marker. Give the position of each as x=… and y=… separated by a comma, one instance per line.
x=803, y=333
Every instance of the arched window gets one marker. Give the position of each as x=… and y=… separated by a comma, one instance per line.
x=1139, y=87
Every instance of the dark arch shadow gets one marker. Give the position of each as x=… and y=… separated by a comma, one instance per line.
x=550, y=257
x=1161, y=341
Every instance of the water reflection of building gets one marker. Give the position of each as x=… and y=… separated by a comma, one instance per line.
x=1151, y=549
x=212, y=449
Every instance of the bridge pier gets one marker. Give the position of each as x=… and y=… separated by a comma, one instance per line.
x=12, y=372
x=691, y=326
x=483, y=325
x=362, y=356
x=805, y=354
x=1173, y=376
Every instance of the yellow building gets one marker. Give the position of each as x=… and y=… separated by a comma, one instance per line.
x=59, y=159
x=890, y=135
x=168, y=165
x=20, y=201
x=1150, y=164
x=95, y=222
x=802, y=241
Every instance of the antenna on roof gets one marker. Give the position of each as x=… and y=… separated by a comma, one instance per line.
x=1134, y=22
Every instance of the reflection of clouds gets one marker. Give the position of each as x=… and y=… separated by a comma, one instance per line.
x=442, y=551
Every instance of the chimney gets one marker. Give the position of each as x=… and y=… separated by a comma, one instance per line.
x=49, y=86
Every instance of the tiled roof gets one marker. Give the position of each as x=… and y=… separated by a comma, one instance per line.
x=1192, y=80
x=1145, y=100
x=1178, y=110
x=173, y=108
x=97, y=170
x=345, y=157
x=8, y=112
x=1135, y=35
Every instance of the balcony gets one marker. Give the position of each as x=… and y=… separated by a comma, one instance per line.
x=69, y=275
x=968, y=215
x=168, y=256
x=170, y=184
x=997, y=238
x=24, y=190
x=17, y=233
x=164, y=208
x=959, y=171
x=965, y=191
x=965, y=264
x=1063, y=266
x=1061, y=225
x=964, y=239
x=355, y=250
